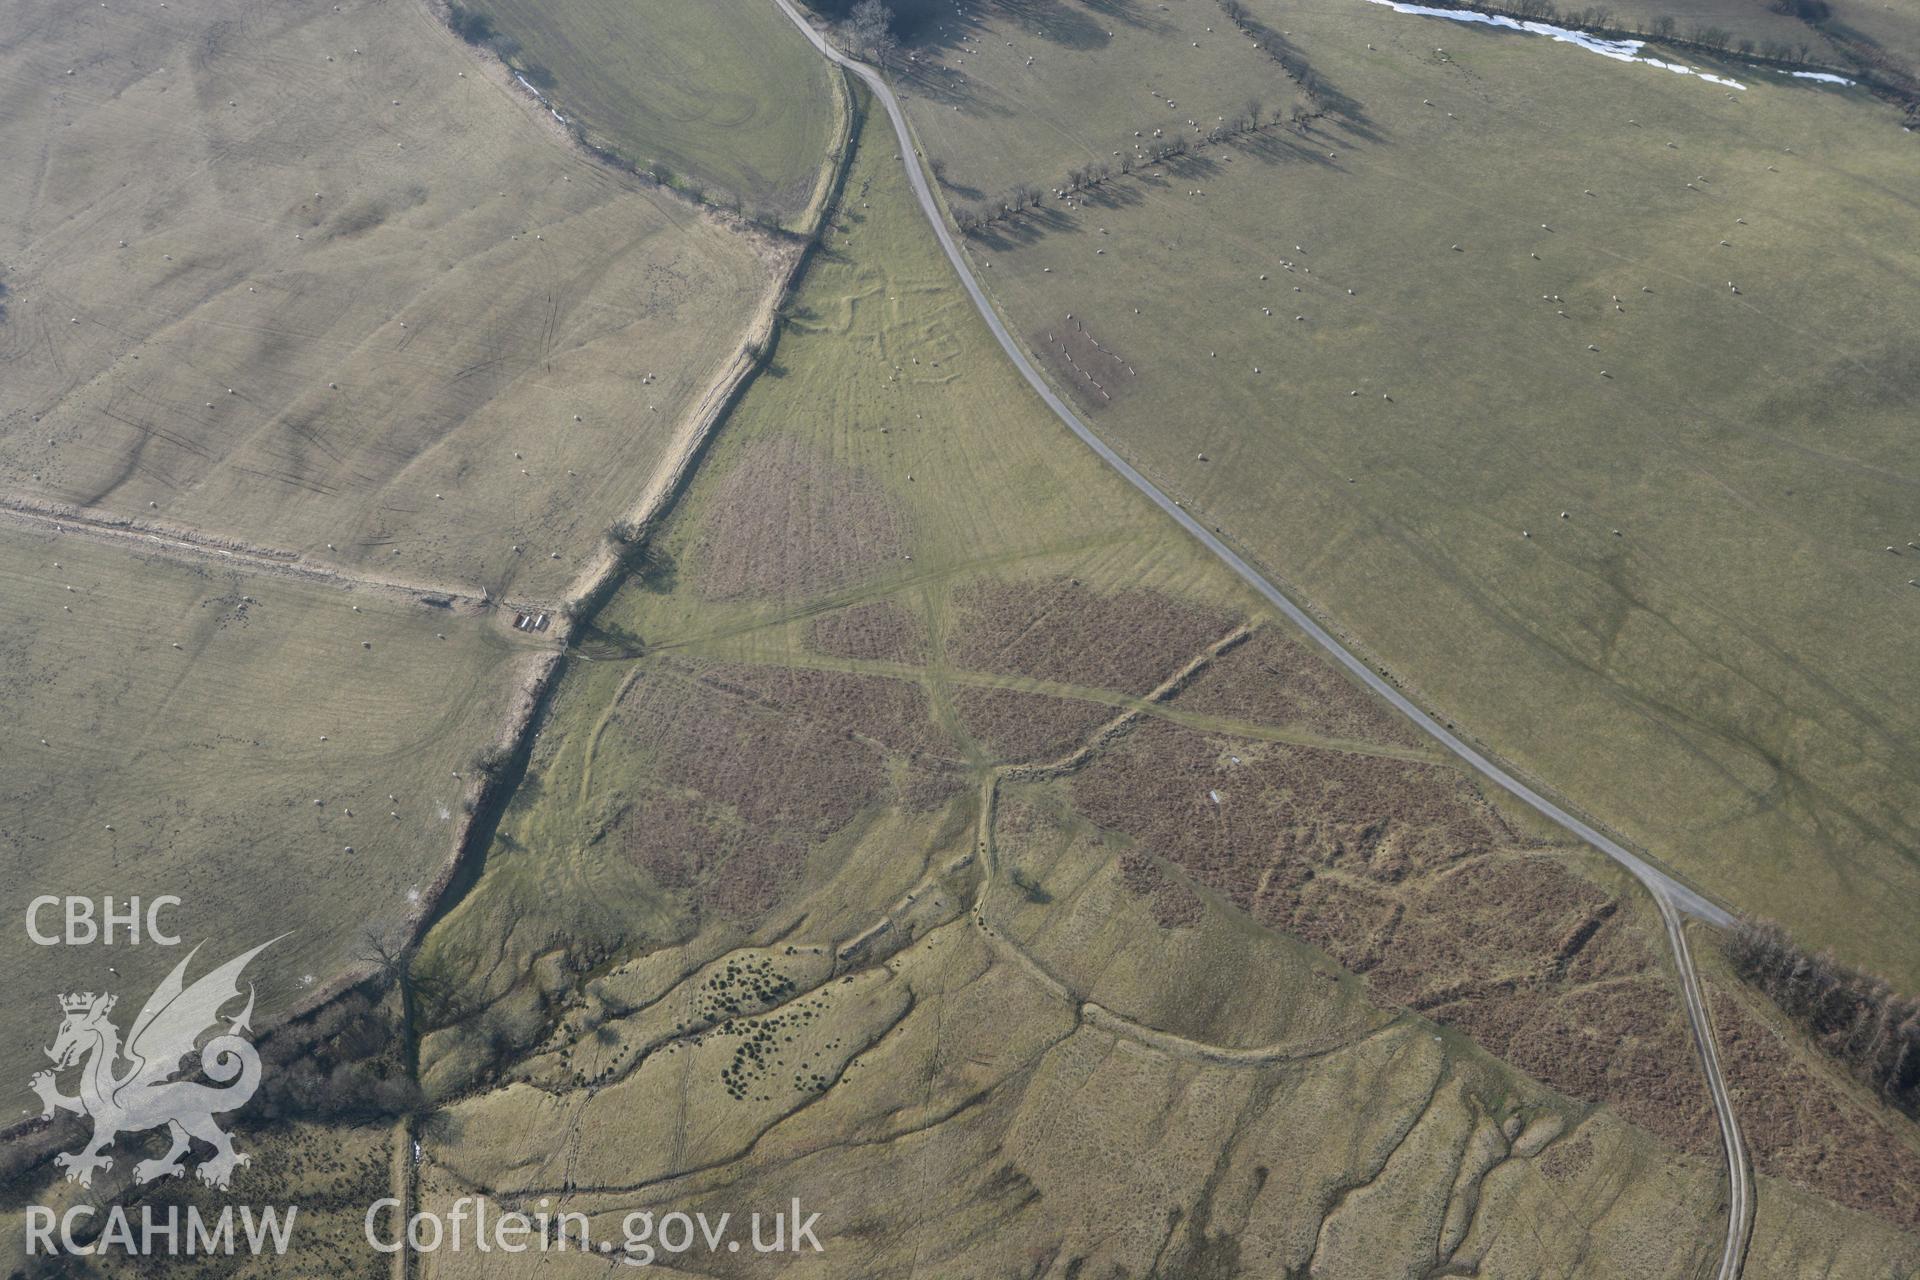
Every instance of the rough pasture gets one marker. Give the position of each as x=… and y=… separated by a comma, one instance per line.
x=1593, y=429
x=281, y=755
x=326, y=281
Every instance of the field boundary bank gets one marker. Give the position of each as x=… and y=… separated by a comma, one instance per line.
x=609, y=568
x=637, y=527
x=492, y=791
x=135, y=536
x=1670, y=894
x=605, y=573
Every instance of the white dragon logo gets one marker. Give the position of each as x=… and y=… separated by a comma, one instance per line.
x=142, y=1095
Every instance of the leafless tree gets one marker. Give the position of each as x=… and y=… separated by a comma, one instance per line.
x=871, y=25
x=1856, y=1017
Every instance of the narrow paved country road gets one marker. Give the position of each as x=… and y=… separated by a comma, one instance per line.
x=1733, y=1143
x=1671, y=895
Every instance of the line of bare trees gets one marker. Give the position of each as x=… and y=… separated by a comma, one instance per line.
x=1252, y=119
x=1089, y=177
x=1291, y=64
x=1857, y=1018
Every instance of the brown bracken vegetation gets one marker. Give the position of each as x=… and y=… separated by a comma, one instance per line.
x=785, y=521
x=878, y=631
x=1403, y=873
x=1127, y=640
x=1808, y=1130
x=1019, y=727
x=890, y=713
x=758, y=763
x=1172, y=903
x=724, y=866
x=1274, y=679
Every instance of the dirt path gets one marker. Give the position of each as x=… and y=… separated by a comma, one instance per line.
x=184, y=544
x=1097, y=1015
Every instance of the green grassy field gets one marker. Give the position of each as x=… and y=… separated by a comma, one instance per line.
x=170, y=727
x=1706, y=652
x=1892, y=28
x=638, y=1009
x=1009, y=93
x=726, y=95
x=325, y=280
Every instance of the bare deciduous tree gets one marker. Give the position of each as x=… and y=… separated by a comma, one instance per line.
x=871, y=25
x=1856, y=1017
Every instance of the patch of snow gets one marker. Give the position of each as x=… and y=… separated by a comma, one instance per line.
x=1618, y=50
x=1824, y=77
x=541, y=97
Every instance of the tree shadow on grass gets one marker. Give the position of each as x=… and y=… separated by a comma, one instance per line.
x=1197, y=166
x=1326, y=96
x=928, y=25
x=962, y=190
x=945, y=85
x=1024, y=228
x=1286, y=147
x=1115, y=193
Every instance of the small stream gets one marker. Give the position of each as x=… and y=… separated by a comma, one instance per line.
x=1618, y=50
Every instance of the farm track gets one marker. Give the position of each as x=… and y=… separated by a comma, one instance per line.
x=1671, y=895
x=182, y=545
